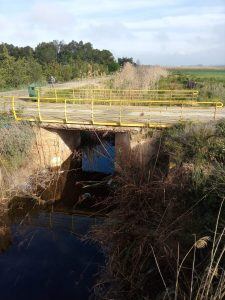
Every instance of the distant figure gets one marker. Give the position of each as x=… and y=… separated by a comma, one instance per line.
x=52, y=81
x=191, y=84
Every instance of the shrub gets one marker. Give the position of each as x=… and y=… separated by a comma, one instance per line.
x=15, y=142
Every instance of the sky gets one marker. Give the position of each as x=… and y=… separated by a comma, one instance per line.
x=165, y=32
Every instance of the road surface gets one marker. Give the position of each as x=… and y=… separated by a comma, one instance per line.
x=114, y=114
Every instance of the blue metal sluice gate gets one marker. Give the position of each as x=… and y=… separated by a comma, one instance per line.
x=100, y=158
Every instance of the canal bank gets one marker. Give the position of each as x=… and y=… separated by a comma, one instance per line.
x=162, y=212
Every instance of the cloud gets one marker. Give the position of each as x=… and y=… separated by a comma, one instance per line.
x=154, y=31
x=51, y=16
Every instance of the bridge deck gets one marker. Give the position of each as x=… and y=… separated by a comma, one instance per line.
x=88, y=112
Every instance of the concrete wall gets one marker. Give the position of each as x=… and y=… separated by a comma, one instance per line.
x=123, y=150
x=50, y=150
x=53, y=147
x=134, y=150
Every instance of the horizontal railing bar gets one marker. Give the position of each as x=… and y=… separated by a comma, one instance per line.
x=126, y=90
x=134, y=101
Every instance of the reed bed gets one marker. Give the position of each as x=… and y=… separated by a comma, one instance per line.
x=164, y=235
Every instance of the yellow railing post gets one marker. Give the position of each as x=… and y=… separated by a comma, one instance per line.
x=13, y=108
x=73, y=96
x=215, y=111
x=56, y=96
x=110, y=97
x=149, y=110
x=181, y=117
x=65, y=110
x=38, y=106
x=120, y=120
x=92, y=110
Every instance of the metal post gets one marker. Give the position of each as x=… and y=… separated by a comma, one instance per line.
x=65, y=111
x=215, y=111
x=92, y=110
x=120, y=120
x=181, y=117
x=56, y=96
x=149, y=110
x=110, y=97
x=13, y=109
x=38, y=105
x=73, y=96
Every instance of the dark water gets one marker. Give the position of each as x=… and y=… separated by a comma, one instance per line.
x=48, y=260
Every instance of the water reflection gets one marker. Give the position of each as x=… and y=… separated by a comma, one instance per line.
x=48, y=260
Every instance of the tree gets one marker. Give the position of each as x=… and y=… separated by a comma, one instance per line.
x=23, y=65
x=122, y=61
x=17, y=52
x=46, y=53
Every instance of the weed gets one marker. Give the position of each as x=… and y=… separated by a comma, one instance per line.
x=158, y=236
x=15, y=141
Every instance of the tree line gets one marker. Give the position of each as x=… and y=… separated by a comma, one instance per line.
x=24, y=65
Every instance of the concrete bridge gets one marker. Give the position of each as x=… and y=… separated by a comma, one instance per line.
x=112, y=109
x=119, y=116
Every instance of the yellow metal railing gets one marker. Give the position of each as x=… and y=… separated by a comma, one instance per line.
x=110, y=112
x=114, y=94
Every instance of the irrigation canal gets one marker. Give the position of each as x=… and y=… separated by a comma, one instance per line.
x=48, y=259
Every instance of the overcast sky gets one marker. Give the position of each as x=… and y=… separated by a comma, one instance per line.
x=168, y=32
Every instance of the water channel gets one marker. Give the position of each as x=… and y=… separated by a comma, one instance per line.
x=48, y=258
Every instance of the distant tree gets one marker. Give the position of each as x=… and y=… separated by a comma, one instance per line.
x=122, y=61
x=23, y=65
x=17, y=52
x=34, y=70
x=46, y=53
x=113, y=67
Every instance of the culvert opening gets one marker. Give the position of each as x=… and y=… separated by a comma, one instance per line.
x=92, y=166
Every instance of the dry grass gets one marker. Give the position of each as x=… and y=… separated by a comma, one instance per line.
x=139, y=77
x=146, y=240
x=160, y=236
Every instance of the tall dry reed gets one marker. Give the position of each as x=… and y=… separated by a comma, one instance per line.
x=139, y=77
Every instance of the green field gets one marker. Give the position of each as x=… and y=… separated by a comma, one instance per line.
x=210, y=82
x=201, y=75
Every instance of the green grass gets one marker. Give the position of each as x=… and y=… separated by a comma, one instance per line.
x=209, y=82
x=202, y=75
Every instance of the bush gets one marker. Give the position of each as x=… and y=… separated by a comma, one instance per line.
x=15, y=142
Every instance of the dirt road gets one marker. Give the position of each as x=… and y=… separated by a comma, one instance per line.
x=65, y=85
